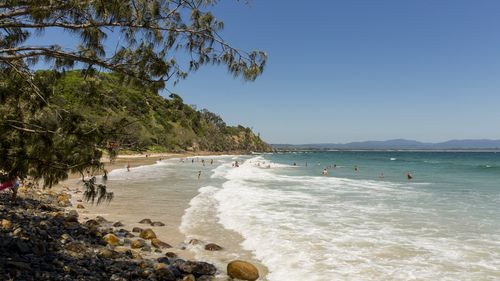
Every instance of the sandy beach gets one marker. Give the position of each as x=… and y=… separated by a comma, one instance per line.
x=168, y=204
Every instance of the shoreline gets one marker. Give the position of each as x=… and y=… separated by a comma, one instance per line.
x=183, y=245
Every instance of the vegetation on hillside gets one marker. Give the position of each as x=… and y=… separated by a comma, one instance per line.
x=143, y=119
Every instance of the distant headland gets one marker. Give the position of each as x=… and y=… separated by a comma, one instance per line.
x=398, y=144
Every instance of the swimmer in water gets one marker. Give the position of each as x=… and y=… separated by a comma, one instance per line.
x=356, y=168
x=325, y=172
x=381, y=176
x=409, y=176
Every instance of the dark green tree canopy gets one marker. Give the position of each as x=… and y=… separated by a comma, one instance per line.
x=152, y=33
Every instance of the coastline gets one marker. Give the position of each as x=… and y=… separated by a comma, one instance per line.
x=182, y=245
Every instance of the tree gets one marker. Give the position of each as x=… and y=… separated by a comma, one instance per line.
x=42, y=138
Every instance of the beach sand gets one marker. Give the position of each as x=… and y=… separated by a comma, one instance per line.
x=131, y=206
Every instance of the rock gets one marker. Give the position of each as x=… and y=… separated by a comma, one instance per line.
x=137, y=244
x=6, y=224
x=17, y=232
x=92, y=223
x=189, y=277
x=146, y=221
x=213, y=247
x=147, y=234
x=107, y=253
x=175, y=271
x=157, y=223
x=122, y=250
x=72, y=216
x=65, y=238
x=157, y=243
x=80, y=206
x=171, y=255
x=118, y=224
x=163, y=272
x=195, y=267
x=242, y=270
x=146, y=248
x=136, y=255
x=22, y=247
x=19, y=265
x=39, y=249
x=63, y=198
x=111, y=239
x=145, y=274
x=76, y=247
x=101, y=220
x=163, y=260
x=137, y=229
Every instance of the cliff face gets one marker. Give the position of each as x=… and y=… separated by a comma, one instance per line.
x=146, y=120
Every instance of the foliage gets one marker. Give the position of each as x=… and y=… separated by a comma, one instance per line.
x=53, y=122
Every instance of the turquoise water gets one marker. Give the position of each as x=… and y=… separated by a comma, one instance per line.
x=444, y=224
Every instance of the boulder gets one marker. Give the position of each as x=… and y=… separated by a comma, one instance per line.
x=101, y=220
x=72, y=216
x=136, y=255
x=118, y=224
x=157, y=223
x=147, y=234
x=107, y=253
x=146, y=221
x=196, y=268
x=76, y=247
x=136, y=244
x=92, y=223
x=6, y=224
x=137, y=229
x=213, y=247
x=80, y=206
x=171, y=255
x=111, y=239
x=157, y=243
x=242, y=270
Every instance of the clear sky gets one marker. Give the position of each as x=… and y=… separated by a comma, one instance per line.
x=342, y=71
x=355, y=70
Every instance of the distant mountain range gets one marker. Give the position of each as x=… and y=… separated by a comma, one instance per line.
x=399, y=144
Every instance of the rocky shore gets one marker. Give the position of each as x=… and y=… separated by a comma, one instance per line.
x=40, y=239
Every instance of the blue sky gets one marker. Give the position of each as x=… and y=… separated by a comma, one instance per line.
x=342, y=71
x=354, y=70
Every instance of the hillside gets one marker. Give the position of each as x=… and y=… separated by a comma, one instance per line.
x=138, y=118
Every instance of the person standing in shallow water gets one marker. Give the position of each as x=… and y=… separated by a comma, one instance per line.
x=325, y=172
x=128, y=166
x=199, y=175
x=409, y=176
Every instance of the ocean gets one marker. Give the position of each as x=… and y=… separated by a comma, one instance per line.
x=280, y=212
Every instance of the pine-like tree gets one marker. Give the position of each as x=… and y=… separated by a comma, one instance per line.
x=41, y=138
